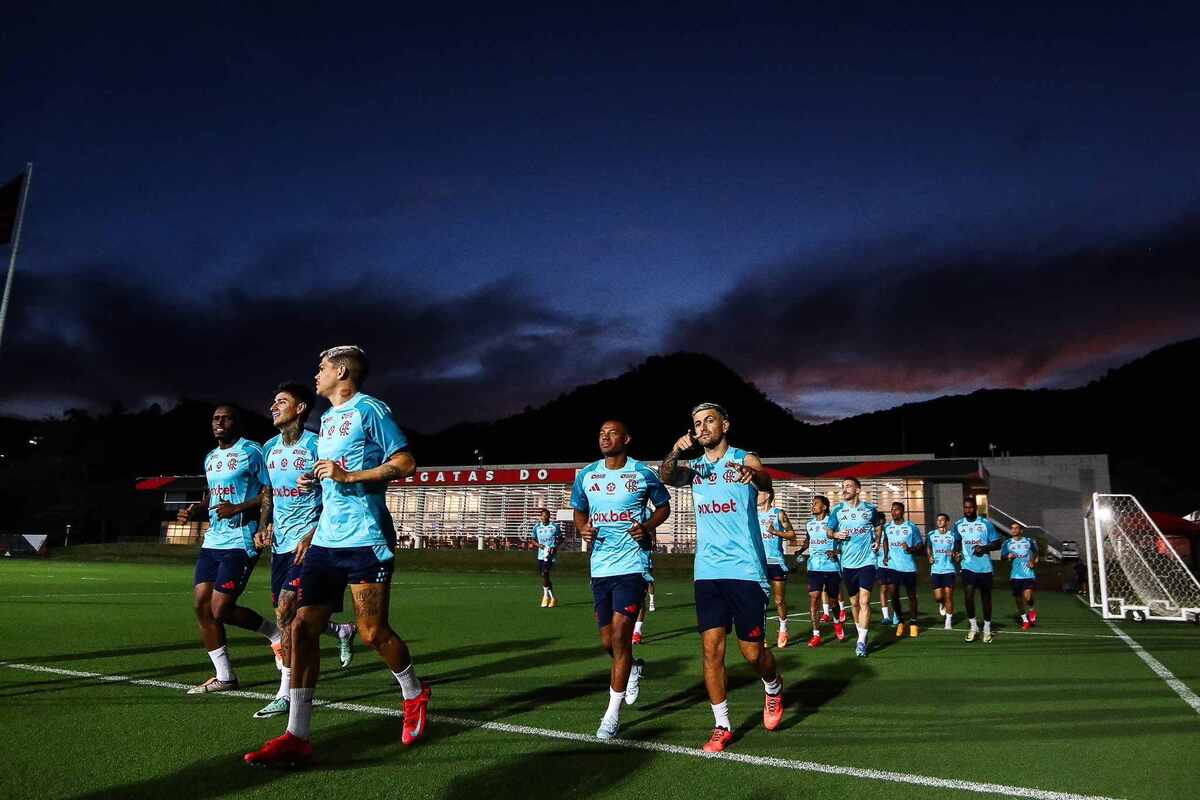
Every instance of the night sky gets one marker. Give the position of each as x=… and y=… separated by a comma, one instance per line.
x=853, y=206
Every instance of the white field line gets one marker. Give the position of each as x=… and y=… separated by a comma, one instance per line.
x=629, y=744
x=1159, y=669
x=56, y=596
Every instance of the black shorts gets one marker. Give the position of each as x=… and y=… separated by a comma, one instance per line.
x=285, y=575
x=618, y=594
x=227, y=570
x=730, y=604
x=1020, y=585
x=827, y=581
x=327, y=571
x=776, y=573
x=942, y=580
x=857, y=578
x=894, y=577
x=545, y=565
x=977, y=580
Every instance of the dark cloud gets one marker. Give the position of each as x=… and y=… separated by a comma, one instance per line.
x=480, y=355
x=896, y=318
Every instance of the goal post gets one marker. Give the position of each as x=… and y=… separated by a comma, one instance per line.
x=1133, y=570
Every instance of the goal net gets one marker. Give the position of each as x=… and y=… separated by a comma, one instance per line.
x=1133, y=570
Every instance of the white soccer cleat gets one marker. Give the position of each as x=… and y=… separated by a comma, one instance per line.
x=634, y=686
x=213, y=685
x=971, y=634
x=987, y=637
x=607, y=729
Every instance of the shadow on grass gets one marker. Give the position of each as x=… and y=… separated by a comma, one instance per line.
x=578, y=772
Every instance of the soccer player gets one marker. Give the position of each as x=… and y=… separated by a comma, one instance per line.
x=731, y=564
x=901, y=541
x=940, y=548
x=287, y=522
x=609, y=500
x=236, y=476
x=1022, y=552
x=548, y=536
x=775, y=526
x=977, y=537
x=648, y=557
x=857, y=525
x=824, y=574
x=359, y=451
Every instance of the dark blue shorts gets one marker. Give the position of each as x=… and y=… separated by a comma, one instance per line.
x=618, y=594
x=977, y=580
x=327, y=571
x=545, y=565
x=227, y=570
x=857, y=578
x=776, y=573
x=942, y=580
x=285, y=575
x=894, y=577
x=730, y=604
x=827, y=581
x=1019, y=585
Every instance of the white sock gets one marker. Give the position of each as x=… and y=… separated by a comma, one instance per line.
x=816, y=631
x=615, y=699
x=774, y=687
x=269, y=630
x=721, y=715
x=783, y=624
x=942, y=609
x=949, y=624
x=862, y=635
x=546, y=591
x=221, y=663
x=285, y=682
x=300, y=712
x=1025, y=618
x=987, y=626
x=974, y=624
x=410, y=687
x=550, y=593
x=824, y=608
x=637, y=627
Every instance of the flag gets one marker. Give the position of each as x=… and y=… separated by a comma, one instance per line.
x=10, y=203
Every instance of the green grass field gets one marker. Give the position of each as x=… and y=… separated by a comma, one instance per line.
x=1068, y=708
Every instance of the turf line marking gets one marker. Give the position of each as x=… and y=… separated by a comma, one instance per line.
x=629, y=744
x=55, y=595
x=1185, y=693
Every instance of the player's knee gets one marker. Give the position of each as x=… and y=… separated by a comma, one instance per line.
x=222, y=611
x=373, y=636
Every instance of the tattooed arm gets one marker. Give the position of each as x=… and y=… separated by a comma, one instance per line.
x=670, y=472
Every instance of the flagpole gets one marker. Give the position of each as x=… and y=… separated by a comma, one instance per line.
x=16, y=244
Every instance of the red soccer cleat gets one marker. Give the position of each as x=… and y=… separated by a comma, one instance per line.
x=842, y=616
x=825, y=617
x=637, y=637
x=282, y=751
x=839, y=631
x=719, y=740
x=815, y=641
x=416, y=716
x=773, y=710
x=1026, y=625
x=1032, y=617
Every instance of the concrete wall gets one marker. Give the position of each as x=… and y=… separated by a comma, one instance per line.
x=1050, y=491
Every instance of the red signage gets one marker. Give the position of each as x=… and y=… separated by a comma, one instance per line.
x=484, y=476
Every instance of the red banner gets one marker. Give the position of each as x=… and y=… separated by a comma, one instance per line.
x=485, y=476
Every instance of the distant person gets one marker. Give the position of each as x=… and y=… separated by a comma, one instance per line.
x=237, y=479
x=548, y=536
x=639, y=626
x=824, y=572
x=775, y=527
x=1022, y=553
x=361, y=449
x=902, y=541
x=287, y=521
x=858, y=526
x=731, y=587
x=977, y=537
x=940, y=545
x=609, y=500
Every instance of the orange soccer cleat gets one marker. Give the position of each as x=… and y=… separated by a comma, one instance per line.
x=718, y=740
x=815, y=641
x=773, y=710
x=282, y=751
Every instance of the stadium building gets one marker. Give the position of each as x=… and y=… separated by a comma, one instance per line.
x=495, y=507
